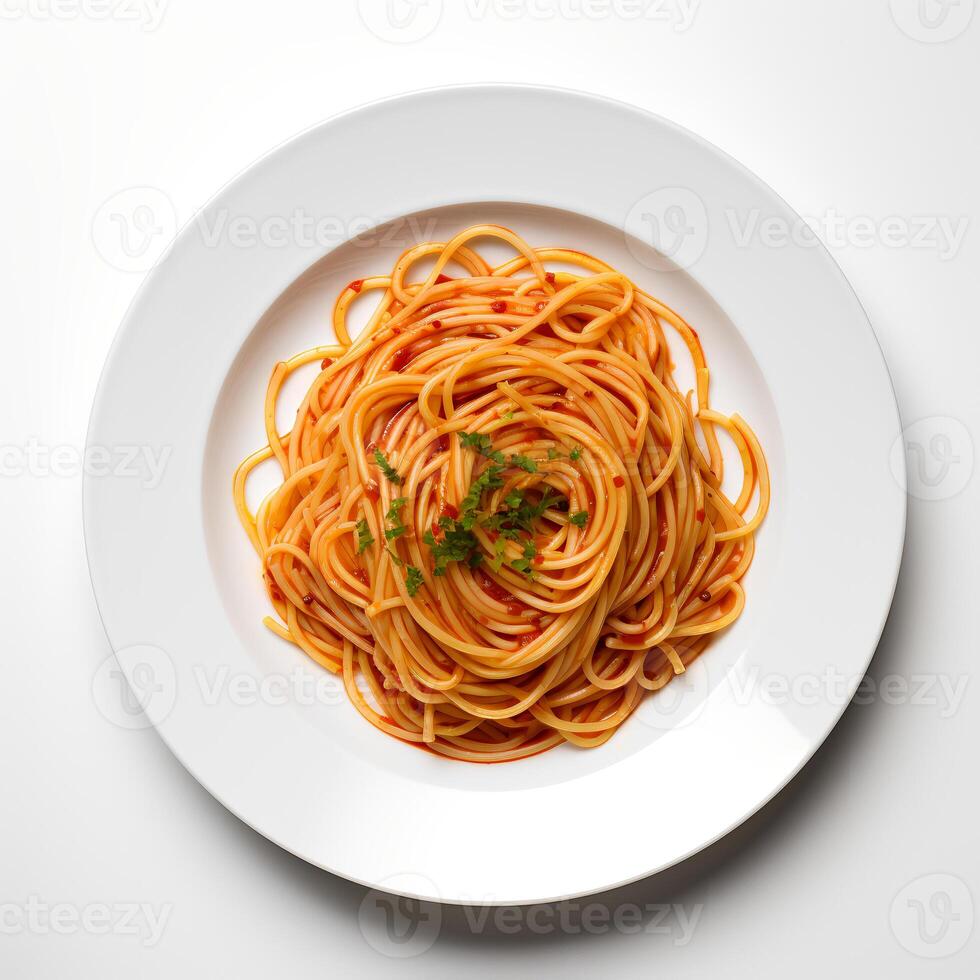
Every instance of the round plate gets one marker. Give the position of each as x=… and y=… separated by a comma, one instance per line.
x=252, y=279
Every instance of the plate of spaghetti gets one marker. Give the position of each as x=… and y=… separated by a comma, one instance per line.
x=503, y=504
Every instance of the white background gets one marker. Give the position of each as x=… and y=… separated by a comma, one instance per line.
x=849, y=117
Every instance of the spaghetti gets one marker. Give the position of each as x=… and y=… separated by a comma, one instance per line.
x=500, y=520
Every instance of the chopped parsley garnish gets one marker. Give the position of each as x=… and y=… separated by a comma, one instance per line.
x=489, y=479
x=580, y=519
x=520, y=515
x=394, y=557
x=364, y=539
x=392, y=517
x=523, y=564
x=456, y=540
x=391, y=474
x=480, y=441
x=575, y=454
x=523, y=462
x=553, y=453
x=507, y=416
x=514, y=499
x=414, y=580
x=456, y=544
x=498, y=553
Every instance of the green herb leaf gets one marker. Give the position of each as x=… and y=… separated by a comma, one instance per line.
x=524, y=462
x=414, y=580
x=523, y=564
x=398, y=562
x=575, y=454
x=393, y=517
x=498, y=553
x=364, y=539
x=480, y=442
x=514, y=499
x=396, y=506
x=457, y=544
x=521, y=514
x=580, y=519
x=489, y=479
x=391, y=474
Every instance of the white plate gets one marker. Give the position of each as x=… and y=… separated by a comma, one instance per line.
x=266, y=730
